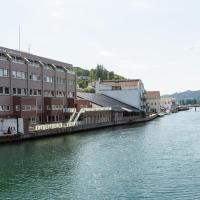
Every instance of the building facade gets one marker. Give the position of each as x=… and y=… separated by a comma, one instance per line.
x=131, y=92
x=168, y=104
x=153, y=101
x=35, y=88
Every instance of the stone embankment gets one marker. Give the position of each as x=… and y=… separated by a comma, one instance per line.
x=34, y=134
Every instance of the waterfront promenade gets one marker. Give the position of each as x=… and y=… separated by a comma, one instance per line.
x=57, y=129
x=155, y=160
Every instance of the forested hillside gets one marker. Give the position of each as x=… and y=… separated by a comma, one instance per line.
x=87, y=77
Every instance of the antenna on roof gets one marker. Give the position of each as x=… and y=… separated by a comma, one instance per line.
x=29, y=48
x=19, y=37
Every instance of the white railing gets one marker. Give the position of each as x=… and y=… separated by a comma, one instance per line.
x=96, y=109
x=72, y=116
x=83, y=110
x=43, y=127
x=70, y=123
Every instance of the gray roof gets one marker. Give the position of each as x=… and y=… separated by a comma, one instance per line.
x=105, y=101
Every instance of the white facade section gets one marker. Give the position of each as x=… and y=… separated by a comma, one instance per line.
x=153, y=101
x=12, y=124
x=132, y=95
x=168, y=103
x=154, y=105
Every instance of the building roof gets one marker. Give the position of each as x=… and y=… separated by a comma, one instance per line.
x=28, y=56
x=105, y=101
x=153, y=94
x=122, y=83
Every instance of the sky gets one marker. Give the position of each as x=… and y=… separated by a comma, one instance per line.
x=157, y=41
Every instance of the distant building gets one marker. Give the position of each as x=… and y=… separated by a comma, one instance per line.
x=130, y=92
x=153, y=101
x=168, y=103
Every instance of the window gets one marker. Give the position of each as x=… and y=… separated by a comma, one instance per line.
x=52, y=93
x=39, y=107
x=27, y=107
x=48, y=79
x=4, y=108
x=34, y=92
x=4, y=72
x=19, y=91
x=40, y=119
x=1, y=90
x=33, y=120
x=17, y=107
x=19, y=75
x=47, y=66
x=17, y=59
x=35, y=77
x=60, y=94
x=48, y=93
x=60, y=80
x=24, y=91
x=14, y=90
x=23, y=108
x=14, y=74
x=34, y=107
x=7, y=90
x=57, y=118
x=7, y=108
x=60, y=69
x=34, y=63
x=49, y=119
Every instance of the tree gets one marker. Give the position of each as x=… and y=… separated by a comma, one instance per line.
x=111, y=75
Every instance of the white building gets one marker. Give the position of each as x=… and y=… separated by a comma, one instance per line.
x=153, y=101
x=131, y=92
x=168, y=103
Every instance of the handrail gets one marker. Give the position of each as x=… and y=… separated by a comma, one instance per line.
x=72, y=116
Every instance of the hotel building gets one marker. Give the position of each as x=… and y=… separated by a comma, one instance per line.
x=35, y=88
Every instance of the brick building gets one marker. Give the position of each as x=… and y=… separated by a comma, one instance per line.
x=35, y=88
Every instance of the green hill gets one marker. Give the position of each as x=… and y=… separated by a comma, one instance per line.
x=86, y=77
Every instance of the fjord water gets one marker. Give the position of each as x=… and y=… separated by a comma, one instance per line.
x=155, y=160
